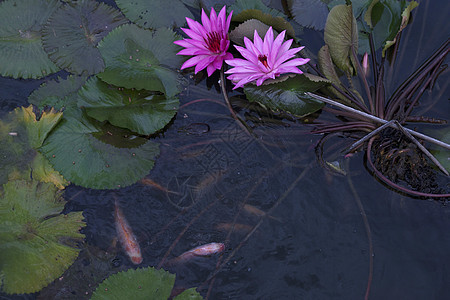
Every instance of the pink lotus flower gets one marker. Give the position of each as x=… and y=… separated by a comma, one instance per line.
x=264, y=60
x=209, y=42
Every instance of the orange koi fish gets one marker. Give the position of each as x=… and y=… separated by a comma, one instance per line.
x=204, y=250
x=126, y=237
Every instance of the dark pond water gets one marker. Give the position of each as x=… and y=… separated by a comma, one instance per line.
x=313, y=245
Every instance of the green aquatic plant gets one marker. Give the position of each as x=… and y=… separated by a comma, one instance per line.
x=141, y=59
x=97, y=155
x=37, y=242
x=71, y=35
x=142, y=283
x=21, y=21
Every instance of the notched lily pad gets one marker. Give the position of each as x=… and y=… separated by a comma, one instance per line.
x=138, y=110
x=22, y=54
x=141, y=59
x=155, y=13
x=95, y=155
x=71, y=35
x=146, y=283
x=36, y=241
x=288, y=96
x=309, y=13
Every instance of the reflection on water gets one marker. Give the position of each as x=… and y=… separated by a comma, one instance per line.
x=312, y=244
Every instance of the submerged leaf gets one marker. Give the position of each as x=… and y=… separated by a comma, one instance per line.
x=341, y=36
x=288, y=96
x=22, y=55
x=38, y=130
x=137, y=110
x=71, y=36
x=309, y=13
x=44, y=172
x=155, y=13
x=36, y=241
x=141, y=59
x=95, y=155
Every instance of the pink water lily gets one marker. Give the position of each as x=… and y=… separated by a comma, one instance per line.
x=264, y=60
x=208, y=42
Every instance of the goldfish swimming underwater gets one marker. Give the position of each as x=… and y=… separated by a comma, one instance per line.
x=204, y=250
x=126, y=236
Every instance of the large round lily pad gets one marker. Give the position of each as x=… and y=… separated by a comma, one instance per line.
x=148, y=283
x=37, y=243
x=71, y=35
x=141, y=59
x=138, y=110
x=97, y=155
x=155, y=13
x=54, y=93
x=21, y=51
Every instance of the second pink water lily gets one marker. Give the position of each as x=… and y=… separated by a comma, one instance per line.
x=264, y=60
x=208, y=42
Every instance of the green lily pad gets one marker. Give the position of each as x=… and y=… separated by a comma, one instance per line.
x=278, y=23
x=71, y=35
x=341, y=36
x=247, y=29
x=54, y=93
x=97, y=155
x=21, y=134
x=155, y=13
x=241, y=5
x=309, y=13
x=38, y=130
x=44, y=172
x=141, y=59
x=36, y=241
x=288, y=96
x=138, y=110
x=22, y=55
x=146, y=283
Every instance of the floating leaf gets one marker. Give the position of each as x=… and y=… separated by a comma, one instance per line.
x=441, y=154
x=95, y=155
x=288, y=96
x=44, y=172
x=52, y=93
x=309, y=13
x=38, y=130
x=241, y=5
x=22, y=55
x=36, y=241
x=146, y=283
x=139, y=58
x=278, y=23
x=71, y=35
x=405, y=19
x=368, y=14
x=247, y=29
x=155, y=13
x=137, y=110
x=341, y=35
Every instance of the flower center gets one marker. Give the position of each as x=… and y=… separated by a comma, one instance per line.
x=213, y=42
x=263, y=60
